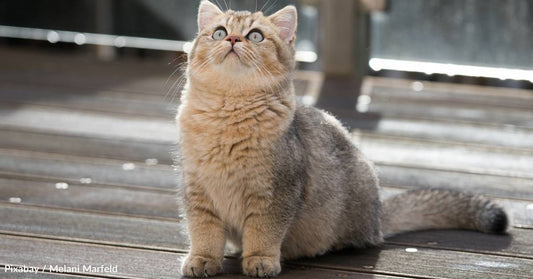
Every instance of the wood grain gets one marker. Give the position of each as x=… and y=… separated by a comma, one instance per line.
x=100, y=171
x=86, y=146
x=132, y=263
x=92, y=197
x=171, y=235
x=426, y=262
x=92, y=227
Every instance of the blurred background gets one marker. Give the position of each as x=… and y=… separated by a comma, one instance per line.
x=436, y=39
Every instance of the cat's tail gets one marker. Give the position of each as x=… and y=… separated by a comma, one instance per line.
x=441, y=209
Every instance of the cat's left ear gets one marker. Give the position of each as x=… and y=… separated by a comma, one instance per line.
x=286, y=20
x=206, y=13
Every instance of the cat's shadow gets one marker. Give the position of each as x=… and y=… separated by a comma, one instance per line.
x=388, y=257
x=456, y=240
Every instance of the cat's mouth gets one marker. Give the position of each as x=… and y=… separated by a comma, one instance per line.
x=232, y=54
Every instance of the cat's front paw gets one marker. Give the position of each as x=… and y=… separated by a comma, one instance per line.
x=198, y=266
x=258, y=266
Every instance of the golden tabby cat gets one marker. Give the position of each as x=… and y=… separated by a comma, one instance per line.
x=277, y=179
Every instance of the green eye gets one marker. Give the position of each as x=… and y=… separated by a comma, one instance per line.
x=255, y=36
x=219, y=34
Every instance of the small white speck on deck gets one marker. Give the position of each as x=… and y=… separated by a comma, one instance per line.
x=417, y=86
x=86, y=180
x=411, y=250
x=128, y=166
x=15, y=200
x=151, y=161
x=61, y=185
x=529, y=206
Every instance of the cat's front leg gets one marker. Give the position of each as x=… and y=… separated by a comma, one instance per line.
x=208, y=238
x=262, y=238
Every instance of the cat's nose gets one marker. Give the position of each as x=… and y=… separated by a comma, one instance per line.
x=233, y=39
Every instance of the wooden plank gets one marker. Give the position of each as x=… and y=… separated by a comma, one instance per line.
x=132, y=263
x=98, y=198
x=90, y=227
x=432, y=100
x=443, y=88
x=384, y=92
x=425, y=262
x=129, y=262
x=445, y=130
x=87, y=146
x=447, y=156
x=83, y=99
x=39, y=275
x=69, y=168
x=417, y=177
x=519, y=240
x=82, y=123
x=452, y=111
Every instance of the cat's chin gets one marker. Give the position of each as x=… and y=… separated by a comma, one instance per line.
x=232, y=59
x=233, y=65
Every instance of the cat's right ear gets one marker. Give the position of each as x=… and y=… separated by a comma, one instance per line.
x=206, y=13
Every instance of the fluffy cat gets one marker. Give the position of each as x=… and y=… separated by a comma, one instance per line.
x=278, y=179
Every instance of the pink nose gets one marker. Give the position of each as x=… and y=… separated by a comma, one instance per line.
x=233, y=39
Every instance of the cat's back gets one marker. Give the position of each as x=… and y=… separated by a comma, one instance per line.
x=324, y=137
x=340, y=192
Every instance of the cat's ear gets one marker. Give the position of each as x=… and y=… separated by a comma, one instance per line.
x=206, y=13
x=286, y=20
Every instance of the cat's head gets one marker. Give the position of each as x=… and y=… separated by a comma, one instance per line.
x=243, y=47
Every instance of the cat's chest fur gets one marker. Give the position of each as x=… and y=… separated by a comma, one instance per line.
x=226, y=149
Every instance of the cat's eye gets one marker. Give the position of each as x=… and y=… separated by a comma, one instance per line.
x=255, y=36
x=220, y=34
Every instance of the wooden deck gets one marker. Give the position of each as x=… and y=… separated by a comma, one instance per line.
x=86, y=177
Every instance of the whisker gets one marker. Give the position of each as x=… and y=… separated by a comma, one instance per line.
x=170, y=92
x=271, y=6
x=171, y=75
x=219, y=6
x=264, y=4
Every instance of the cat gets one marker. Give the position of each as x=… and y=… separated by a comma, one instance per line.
x=278, y=179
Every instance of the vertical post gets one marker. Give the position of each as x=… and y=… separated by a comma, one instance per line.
x=343, y=52
x=337, y=37
x=104, y=25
